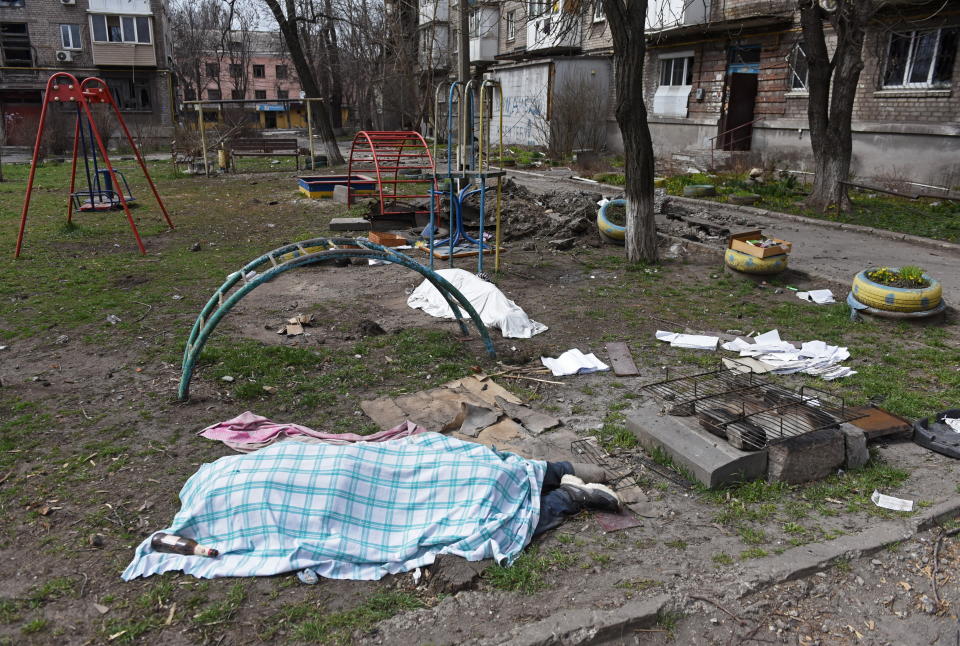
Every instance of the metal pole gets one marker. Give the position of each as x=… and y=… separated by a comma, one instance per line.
x=463, y=75
x=203, y=139
x=313, y=157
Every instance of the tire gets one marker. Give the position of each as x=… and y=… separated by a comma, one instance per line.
x=896, y=299
x=699, y=190
x=747, y=264
x=608, y=230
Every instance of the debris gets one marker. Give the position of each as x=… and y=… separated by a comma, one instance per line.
x=493, y=307
x=177, y=297
x=308, y=576
x=371, y=328
x=940, y=435
x=113, y=319
x=472, y=419
x=954, y=424
x=877, y=422
x=294, y=326
x=96, y=540
x=621, y=359
x=532, y=420
x=196, y=247
x=692, y=341
x=562, y=244
x=173, y=544
x=227, y=378
x=62, y=339
x=889, y=502
x=813, y=357
x=818, y=296
x=574, y=362
x=101, y=608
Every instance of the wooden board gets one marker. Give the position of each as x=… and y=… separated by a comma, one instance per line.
x=621, y=359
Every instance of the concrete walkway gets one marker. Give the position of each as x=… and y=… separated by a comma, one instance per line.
x=821, y=248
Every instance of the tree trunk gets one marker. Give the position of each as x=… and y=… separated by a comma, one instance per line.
x=626, y=20
x=291, y=35
x=832, y=85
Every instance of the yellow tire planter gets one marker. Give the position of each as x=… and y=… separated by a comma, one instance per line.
x=747, y=264
x=608, y=230
x=896, y=299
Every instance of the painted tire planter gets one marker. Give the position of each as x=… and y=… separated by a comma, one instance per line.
x=608, y=230
x=747, y=200
x=699, y=190
x=747, y=264
x=896, y=299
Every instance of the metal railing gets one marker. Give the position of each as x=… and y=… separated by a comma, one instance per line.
x=713, y=140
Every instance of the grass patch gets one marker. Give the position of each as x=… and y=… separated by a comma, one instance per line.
x=722, y=559
x=753, y=553
x=526, y=573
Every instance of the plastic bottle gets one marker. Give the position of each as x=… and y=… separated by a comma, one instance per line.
x=163, y=542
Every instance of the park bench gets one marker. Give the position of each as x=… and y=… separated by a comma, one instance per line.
x=262, y=147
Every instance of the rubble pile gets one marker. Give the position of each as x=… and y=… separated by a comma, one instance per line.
x=551, y=215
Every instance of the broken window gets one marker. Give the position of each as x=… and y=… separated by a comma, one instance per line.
x=676, y=71
x=131, y=95
x=120, y=29
x=15, y=43
x=921, y=59
x=798, y=68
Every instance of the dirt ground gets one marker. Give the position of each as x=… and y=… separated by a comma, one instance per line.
x=95, y=445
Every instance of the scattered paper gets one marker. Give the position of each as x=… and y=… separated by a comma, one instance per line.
x=113, y=319
x=953, y=424
x=818, y=296
x=813, y=357
x=574, y=362
x=889, y=502
x=494, y=308
x=691, y=341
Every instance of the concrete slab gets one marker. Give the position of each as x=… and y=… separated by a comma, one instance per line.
x=349, y=224
x=710, y=459
x=341, y=194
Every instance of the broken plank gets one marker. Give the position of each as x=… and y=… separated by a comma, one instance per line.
x=621, y=359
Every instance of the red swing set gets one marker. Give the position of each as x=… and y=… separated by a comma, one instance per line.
x=106, y=188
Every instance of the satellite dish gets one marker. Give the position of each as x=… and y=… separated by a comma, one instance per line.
x=829, y=5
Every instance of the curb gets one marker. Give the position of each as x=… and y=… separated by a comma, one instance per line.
x=806, y=560
x=752, y=210
x=586, y=625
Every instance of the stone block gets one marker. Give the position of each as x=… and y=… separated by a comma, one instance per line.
x=855, y=443
x=349, y=224
x=341, y=194
x=806, y=457
x=708, y=458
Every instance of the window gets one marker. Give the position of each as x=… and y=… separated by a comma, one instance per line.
x=189, y=94
x=921, y=58
x=511, y=25
x=236, y=45
x=131, y=95
x=213, y=70
x=536, y=8
x=283, y=94
x=259, y=72
x=120, y=29
x=798, y=69
x=598, y=15
x=214, y=95
x=70, y=37
x=5, y=4
x=260, y=95
x=281, y=71
x=15, y=43
x=676, y=71
x=236, y=95
x=236, y=70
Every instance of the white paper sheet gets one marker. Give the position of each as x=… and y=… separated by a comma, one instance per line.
x=574, y=362
x=815, y=358
x=889, y=502
x=952, y=424
x=691, y=341
x=818, y=296
x=494, y=308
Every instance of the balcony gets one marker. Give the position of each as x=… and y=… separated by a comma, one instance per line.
x=551, y=31
x=483, y=34
x=434, y=11
x=434, y=50
x=127, y=7
x=670, y=14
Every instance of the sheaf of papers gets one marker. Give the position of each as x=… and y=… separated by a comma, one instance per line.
x=818, y=296
x=691, y=341
x=889, y=502
x=574, y=362
x=813, y=357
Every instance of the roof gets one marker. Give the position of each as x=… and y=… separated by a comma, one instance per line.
x=722, y=27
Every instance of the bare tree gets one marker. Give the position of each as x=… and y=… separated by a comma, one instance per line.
x=832, y=86
x=292, y=19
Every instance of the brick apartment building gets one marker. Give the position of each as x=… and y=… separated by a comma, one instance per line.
x=254, y=68
x=124, y=42
x=728, y=79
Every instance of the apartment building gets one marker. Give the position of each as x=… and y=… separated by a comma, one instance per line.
x=252, y=67
x=124, y=42
x=728, y=79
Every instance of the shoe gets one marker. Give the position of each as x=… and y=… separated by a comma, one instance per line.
x=590, y=496
x=589, y=472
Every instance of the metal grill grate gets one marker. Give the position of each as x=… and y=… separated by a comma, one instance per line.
x=622, y=476
x=749, y=411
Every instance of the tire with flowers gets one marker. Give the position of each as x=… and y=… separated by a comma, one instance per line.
x=896, y=299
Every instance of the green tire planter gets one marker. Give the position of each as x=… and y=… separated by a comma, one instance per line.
x=699, y=190
x=747, y=200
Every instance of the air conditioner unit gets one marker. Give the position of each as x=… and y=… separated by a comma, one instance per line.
x=64, y=56
x=68, y=1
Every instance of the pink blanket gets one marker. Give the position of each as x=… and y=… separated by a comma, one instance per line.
x=248, y=432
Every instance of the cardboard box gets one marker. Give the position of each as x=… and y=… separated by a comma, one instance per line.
x=387, y=239
x=738, y=242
